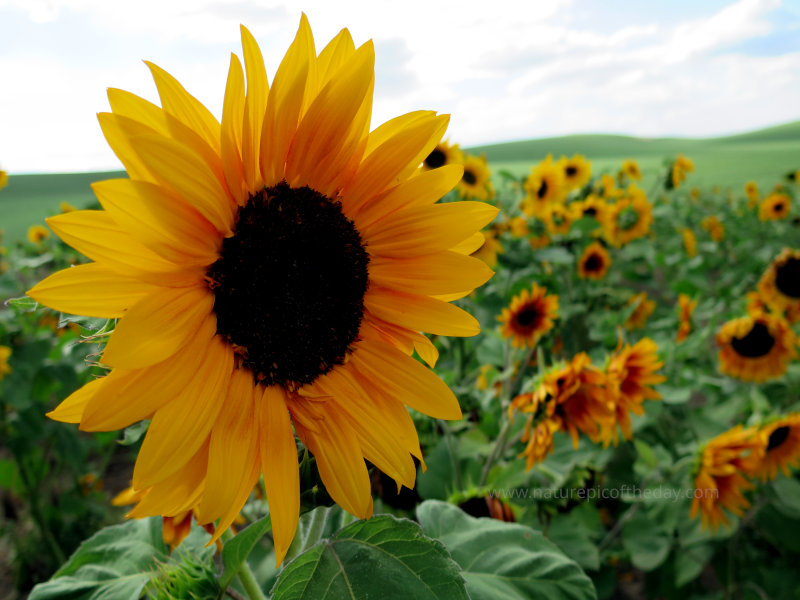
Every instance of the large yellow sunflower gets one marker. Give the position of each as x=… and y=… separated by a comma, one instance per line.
x=443, y=154
x=779, y=286
x=270, y=274
x=628, y=218
x=529, y=316
x=544, y=187
x=781, y=440
x=594, y=262
x=723, y=475
x=476, y=182
x=774, y=207
x=756, y=347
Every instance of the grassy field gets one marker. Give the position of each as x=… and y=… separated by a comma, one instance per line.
x=764, y=156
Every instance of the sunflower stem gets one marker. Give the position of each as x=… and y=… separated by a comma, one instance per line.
x=245, y=575
x=497, y=450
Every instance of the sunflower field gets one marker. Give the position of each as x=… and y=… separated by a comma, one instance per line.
x=291, y=355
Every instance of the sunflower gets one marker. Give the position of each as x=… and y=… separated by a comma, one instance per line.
x=594, y=262
x=687, y=306
x=774, y=207
x=726, y=464
x=529, y=316
x=37, y=233
x=65, y=207
x=544, y=187
x=607, y=188
x=628, y=218
x=689, y=242
x=3, y=179
x=751, y=192
x=518, y=226
x=781, y=440
x=271, y=274
x=756, y=347
x=644, y=307
x=538, y=440
x=443, y=154
x=558, y=218
x=680, y=167
x=714, y=227
x=490, y=247
x=634, y=370
x=593, y=207
x=779, y=286
x=577, y=171
x=630, y=169
x=5, y=368
x=475, y=183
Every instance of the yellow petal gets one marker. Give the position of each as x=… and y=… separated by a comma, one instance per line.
x=179, y=429
x=254, y=106
x=133, y=107
x=231, y=136
x=420, y=313
x=162, y=221
x=470, y=244
x=334, y=56
x=405, y=379
x=92, y=290
x=280, y=467
x=440, y=273
x=158, y=326
x=118, y=139
x=71, y=409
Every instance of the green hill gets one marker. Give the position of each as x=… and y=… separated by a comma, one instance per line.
x=765, y=156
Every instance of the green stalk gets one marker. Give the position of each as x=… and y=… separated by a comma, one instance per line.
x=245, y=575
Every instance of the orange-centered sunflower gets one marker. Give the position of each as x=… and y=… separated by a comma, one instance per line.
x=529, y=317
x=756, y=347
x=774, y=207
x=271, y=275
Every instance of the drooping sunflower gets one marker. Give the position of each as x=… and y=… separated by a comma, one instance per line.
x=774, y=207
x=689, y=242
x=544, y=187
x=630, y=169
x=594, y=262
x=443, y=154
x=723, y=475
x=577, y=171
x=644, y=307
x=628, y=218
x=5, y=368
x=633, y=369
x=781, y=439
x=476, y=182
x=679, y=169
x=751, y=191
x=714, y=227
x=779, y=286
x=756, y=347
x=271, y=275
x=686, y=306
x=37, y=233
x=529, y=316
x=538, y=440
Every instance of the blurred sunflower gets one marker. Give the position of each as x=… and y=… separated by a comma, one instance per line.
x=261, y=285
x=593, y=206
x=680, y=167
x=577, y=171
x=689, y=242
x=38, y=233
x=443, y=154
x=630, y=169
x=607, y=188
x=544, y=187
x=756, y=347
x=3, y=179
x=475, y=183
x=714, y=227
x=594, y=262
x=518, y=226
x=490, y=247
x=539, y=236
x=781, y=439
x=779, y=286
x=722, y=475
x=686, y=306
x=529, y=316
x=5, y=368
x=627, y=219
x=538, y=440
x=633, y=370
x=558, y=218
x=643, y=308
x=774, y=207
x=751, y=191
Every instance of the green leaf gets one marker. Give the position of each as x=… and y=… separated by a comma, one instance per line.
x=235, y=550
x=646, y=542
x=315, y=525
x=646, y=453
x=114, y=564
x=504, y=561
x=689, y=563
x=555, y=255
x=24, y=303
x=384, y=557
x=674, y=395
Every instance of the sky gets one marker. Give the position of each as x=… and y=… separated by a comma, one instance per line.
x=504, y=69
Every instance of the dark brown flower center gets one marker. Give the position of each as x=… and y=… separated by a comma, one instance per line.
x=589, y=212
x=527, y=316
x=571, y=171
x=758, y=342
x=542, y=191
x=778, y=207
x=436, y=159
x=787, y=278
x=593, y=263
x=289, y=285
x=469, y=177
x=778, y=436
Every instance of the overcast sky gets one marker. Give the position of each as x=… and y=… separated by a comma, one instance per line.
x=503, y=69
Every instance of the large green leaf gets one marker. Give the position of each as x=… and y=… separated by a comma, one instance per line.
x=236, y=550
x=114, y=564
x=384, y=557
x=504, y=561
